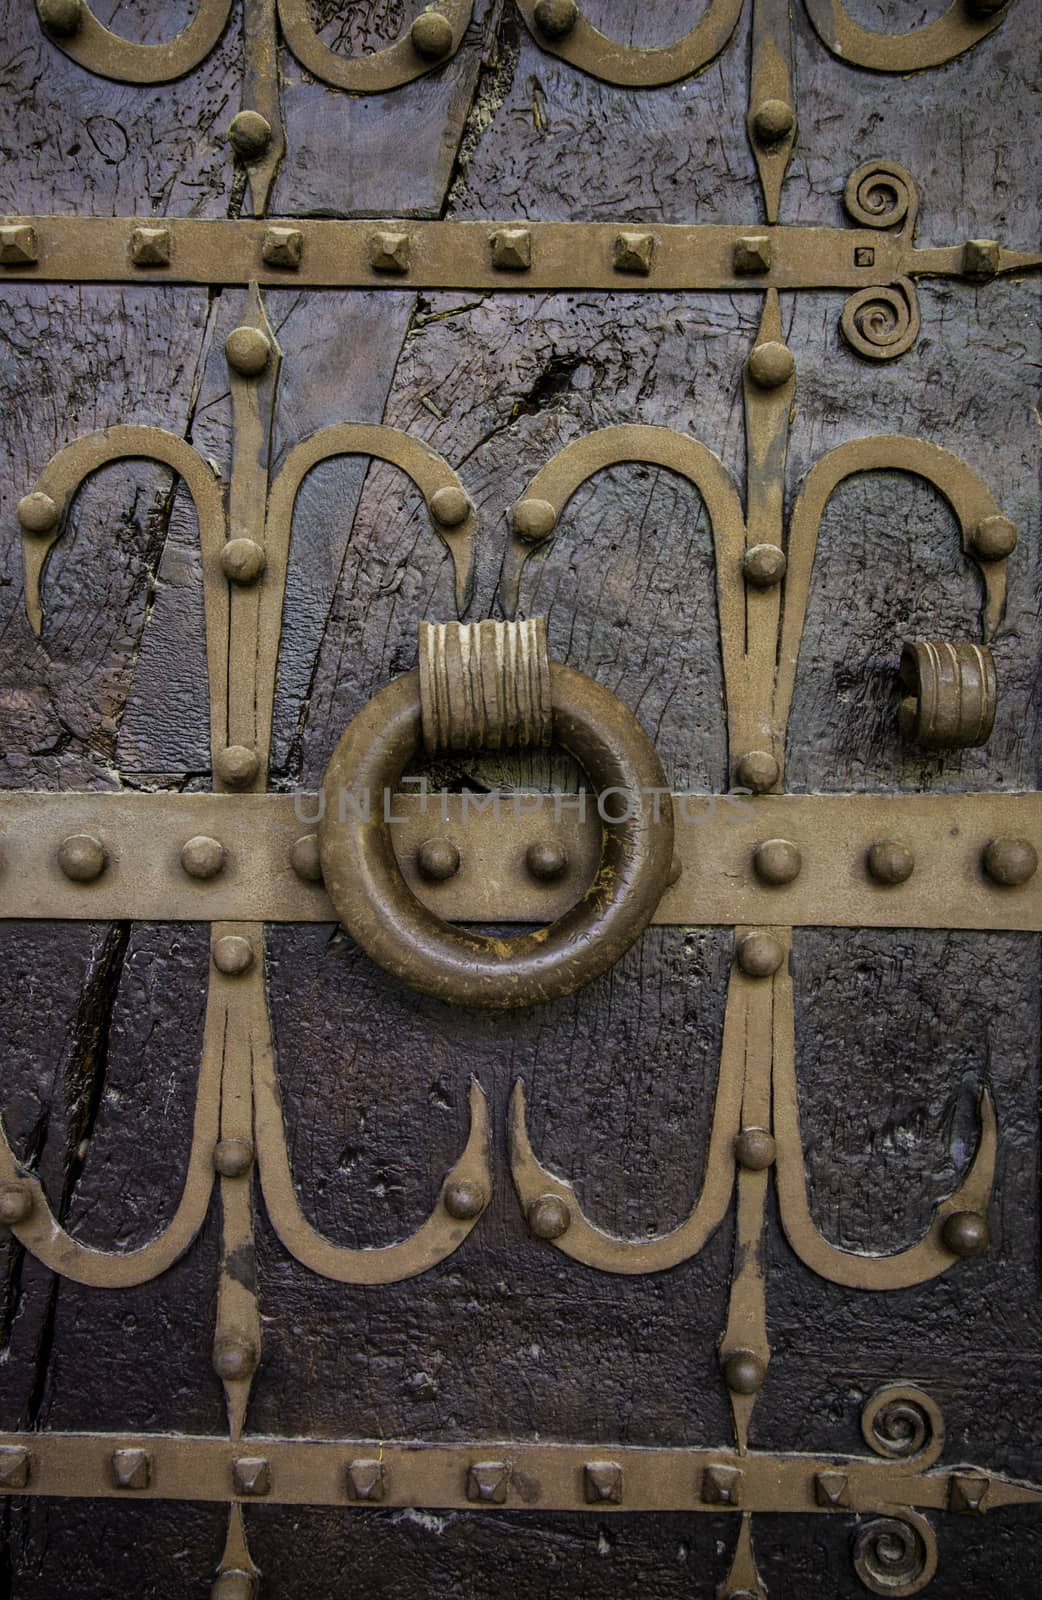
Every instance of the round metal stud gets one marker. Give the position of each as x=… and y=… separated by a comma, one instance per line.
x=1010, y=862
x=771, y=364
x=966, y=1233
x=431, y=36
x=757, y=770
x=234, y=1356
x=233, y=955
x=437, y=859
x=304, y=858
x=890, y=862
x=37, y=512
x=546, y=860
x=754, y=1149
x=763, y=565
x=248, y=351
x=556, y=18
x=464, y=1199
x=534, y=520
x=82, y=857
x=759, y=954
x=233, y=1584
x=449, y=506
x=777, y=861
x=202, y=857
x=744, y=1372
x=237, y=766
x=62, y=17
x=232, y=1158
x=249, y=134
x=16, y=1202
x=548, y=1217
x=242, y=560
x=773, y=120
x=993, y=539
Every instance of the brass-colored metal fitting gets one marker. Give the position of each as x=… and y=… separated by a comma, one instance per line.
x=464, y=1199
x=832, y=1489
x=237, y=766
x=242, y=561
x=951, y=693
x=283, y=247
x=777, y=861
x=437, y=860
x=249, y=135
x=247, y=351
x=251, y=1475
x=233, y=1158
x=150, y=247
x=449, y=506
x=773, y=121
x=511, y=249
x=233, y=955
x=966, y=1234
x=763, y=565
x=82, y=857
x=633, y=252
x=757, y=770
x=548, y=1216
x=890, y=862
x=967, y=1492
x=203, y=857
x=15, y=1466
x=390, y=251
x=744, y=1372
x=993, y=538
x=771, y=364
x=431, y=36
x=556, y=18
x=534, y=520
x=602, y=1483
x=759, y=954
x=366, y=1478
x=19, y=246
x=1010, y=862
x=755, y=1149
x=16, y=1203
x=752, y=255
x=61, y=17
x=234, y=1357
x=546, y=860
x=37, y=512
x=305, y=858
x=233, y=1584
x=722, y=1486
x=488, y=1481
x=131, y=1468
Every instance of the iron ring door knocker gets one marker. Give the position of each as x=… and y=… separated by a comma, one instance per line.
x=489, y=685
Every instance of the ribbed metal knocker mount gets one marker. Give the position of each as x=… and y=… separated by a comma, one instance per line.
x=490, y=686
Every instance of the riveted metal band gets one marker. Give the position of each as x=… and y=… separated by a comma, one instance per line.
x=484, y=685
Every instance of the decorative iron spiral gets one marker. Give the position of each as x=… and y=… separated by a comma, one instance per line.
x=882, y=324
x=899, y=1422
x=896, y=1555
x=881, y=195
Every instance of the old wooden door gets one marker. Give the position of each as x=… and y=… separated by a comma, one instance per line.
x=719, y=1274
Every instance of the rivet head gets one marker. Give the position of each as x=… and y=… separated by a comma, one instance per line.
x=305, y=858
x=283, y=247
x=548, y=1216
x=556, y=18
x=546, y=860
x=890, y=862
x=633, y=252
x=763, y=565
x=131, y=1468
x=534, y=520
x=449, y=506
x=759, y=954
x=150, y=247
x=248, y=351
x=82, y=857
x=980, y=259
x=16, y=1202
x=752, y=255
x=464, y=1199
x=237, y=766
x=390, y=252
x=757, y=770
x=62, y=17
x=754, y=1149
x=365, y=1478
x=722, y=1486
x=966, y=1233
x=251, y=1475
x=202, y=857
x=777, y=861
x=771, y=364
x=993, y=538
x=233, y=1584
x=233, y=955
x=234, y=1357
x=233, y=1158
x=431, y=36
x=37, y=512
x=602, y=1483
x=773, y=121
x=437, y=859
x=1010, y=862
x=744, y=1372
x=242, y=561
x=249, y=134
x=967, y=1493
x=832, y=1488
x=512, y=249
x=15, y=1466
x=488, y=1480
x=19, y=246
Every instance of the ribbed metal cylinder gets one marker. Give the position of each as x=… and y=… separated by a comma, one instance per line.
x=952, y=693
x=484, y=685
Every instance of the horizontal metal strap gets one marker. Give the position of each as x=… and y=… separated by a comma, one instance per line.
x=143, y=879
x=489, y=1474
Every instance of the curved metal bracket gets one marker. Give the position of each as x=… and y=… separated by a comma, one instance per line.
x=939, y=41
x=109, y=56
x=587, y=48
x=373, y=73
